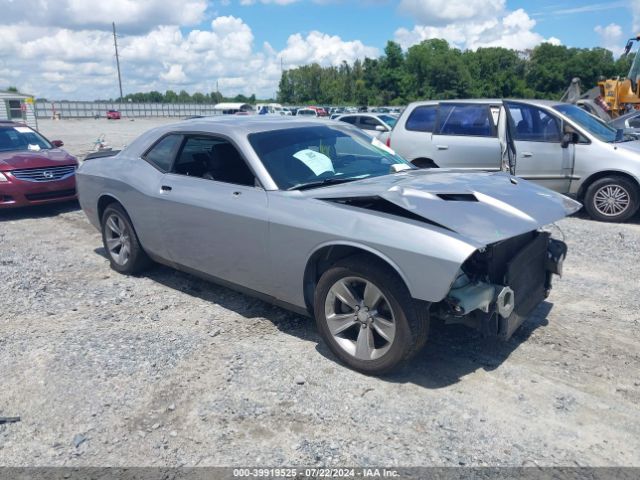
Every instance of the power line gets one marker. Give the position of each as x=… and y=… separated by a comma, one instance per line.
x=115, y=44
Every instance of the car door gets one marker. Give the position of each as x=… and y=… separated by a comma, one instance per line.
x=142, y=196
x=412, y=136
x=370, y=125
x=541, y=158
x=466, y=137
x=214, y=213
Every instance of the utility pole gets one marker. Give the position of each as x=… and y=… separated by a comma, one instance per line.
x=115, y=44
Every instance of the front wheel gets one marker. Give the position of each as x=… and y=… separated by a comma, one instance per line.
x=612, y=199
x=367, y=317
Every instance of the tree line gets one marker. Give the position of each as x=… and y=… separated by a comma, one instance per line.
x=435, y=70
x=183, y=96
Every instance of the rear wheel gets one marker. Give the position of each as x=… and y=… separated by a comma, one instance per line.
x=367, y=317
x=121, y=242
x=612, y=199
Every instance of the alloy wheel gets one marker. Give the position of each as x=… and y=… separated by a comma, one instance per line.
x=360, y=318
x=611, y=200
x=118, y=239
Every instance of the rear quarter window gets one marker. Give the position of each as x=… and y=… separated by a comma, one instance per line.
x=422, y=119
x=161, y=155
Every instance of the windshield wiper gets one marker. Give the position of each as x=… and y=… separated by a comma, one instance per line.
x=321, y=183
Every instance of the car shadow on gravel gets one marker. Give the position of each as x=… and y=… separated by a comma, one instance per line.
x=38, y=211
x=451, y=352
x=245, y=305
x=454, y=351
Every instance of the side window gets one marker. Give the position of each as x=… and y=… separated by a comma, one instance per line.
x=368, y=123
x=422, y=119
x=471, y=120
x=351, y=120
x=162, y=153
x=634, y=122
x=533, y=124
x=213, y=158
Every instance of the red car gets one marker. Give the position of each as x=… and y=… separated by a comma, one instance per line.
x=113, y=115
x=320, y=111
x=33, y=170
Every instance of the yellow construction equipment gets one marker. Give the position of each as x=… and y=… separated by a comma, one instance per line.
x=621, y=94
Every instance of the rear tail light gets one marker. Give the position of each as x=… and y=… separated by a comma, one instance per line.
x=389, y=142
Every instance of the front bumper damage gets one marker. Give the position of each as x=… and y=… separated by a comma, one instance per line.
x=500, y=285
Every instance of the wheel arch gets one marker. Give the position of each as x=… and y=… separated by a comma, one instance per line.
x=423, y=162
x=326, y=255
x=104, y=201
x=602, y=174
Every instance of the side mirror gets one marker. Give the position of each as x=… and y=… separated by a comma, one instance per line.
x=569, y=138
x=381, y=128
x=57, y=143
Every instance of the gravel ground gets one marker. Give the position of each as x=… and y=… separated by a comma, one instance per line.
x=79, y=135
x=166, y=369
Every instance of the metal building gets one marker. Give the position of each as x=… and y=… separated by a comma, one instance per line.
x=18, y=107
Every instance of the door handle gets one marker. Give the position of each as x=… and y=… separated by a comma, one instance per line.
x=442, y=147
x=527, y=154
x=165, y=188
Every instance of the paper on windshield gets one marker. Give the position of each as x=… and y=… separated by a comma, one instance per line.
x=22, y=129
x=33, y=147
x=316, y=161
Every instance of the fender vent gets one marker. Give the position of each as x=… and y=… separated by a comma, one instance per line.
x=458, y=197
x=379, y=204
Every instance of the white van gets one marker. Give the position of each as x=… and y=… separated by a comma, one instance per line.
x=557, y=145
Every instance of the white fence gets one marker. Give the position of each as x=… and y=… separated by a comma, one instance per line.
x=127, y=109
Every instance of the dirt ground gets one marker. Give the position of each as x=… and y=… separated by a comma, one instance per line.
x=166, y=369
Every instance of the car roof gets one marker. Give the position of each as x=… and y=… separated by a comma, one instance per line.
x=11, y=124
x=238, y=125
x=489, y=101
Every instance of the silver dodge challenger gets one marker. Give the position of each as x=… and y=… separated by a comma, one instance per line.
x=321, y=219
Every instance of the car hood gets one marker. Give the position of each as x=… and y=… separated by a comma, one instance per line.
x=482, y=208
x=43, y=158
x=631, y=146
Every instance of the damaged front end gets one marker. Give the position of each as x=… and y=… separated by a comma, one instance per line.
x=499, y=285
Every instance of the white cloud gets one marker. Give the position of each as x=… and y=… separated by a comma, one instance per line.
x=324, y=49
x=174, y=75
x=507, y=29
x=611, y=37
x=68, y=63
x=129, y=15
x=434, y=12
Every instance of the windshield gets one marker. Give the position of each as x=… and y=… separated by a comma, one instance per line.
x=308, y=155
x=593, y=125
x=621, y=122
x=22, y=139
x=389, y=120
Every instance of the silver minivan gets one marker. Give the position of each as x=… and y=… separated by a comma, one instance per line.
x=557, y=145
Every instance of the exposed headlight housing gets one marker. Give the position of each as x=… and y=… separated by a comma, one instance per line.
x=3, y=177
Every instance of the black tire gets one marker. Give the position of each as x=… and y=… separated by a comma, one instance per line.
x=627, y=186
x=137, y=260
x=411, y=317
